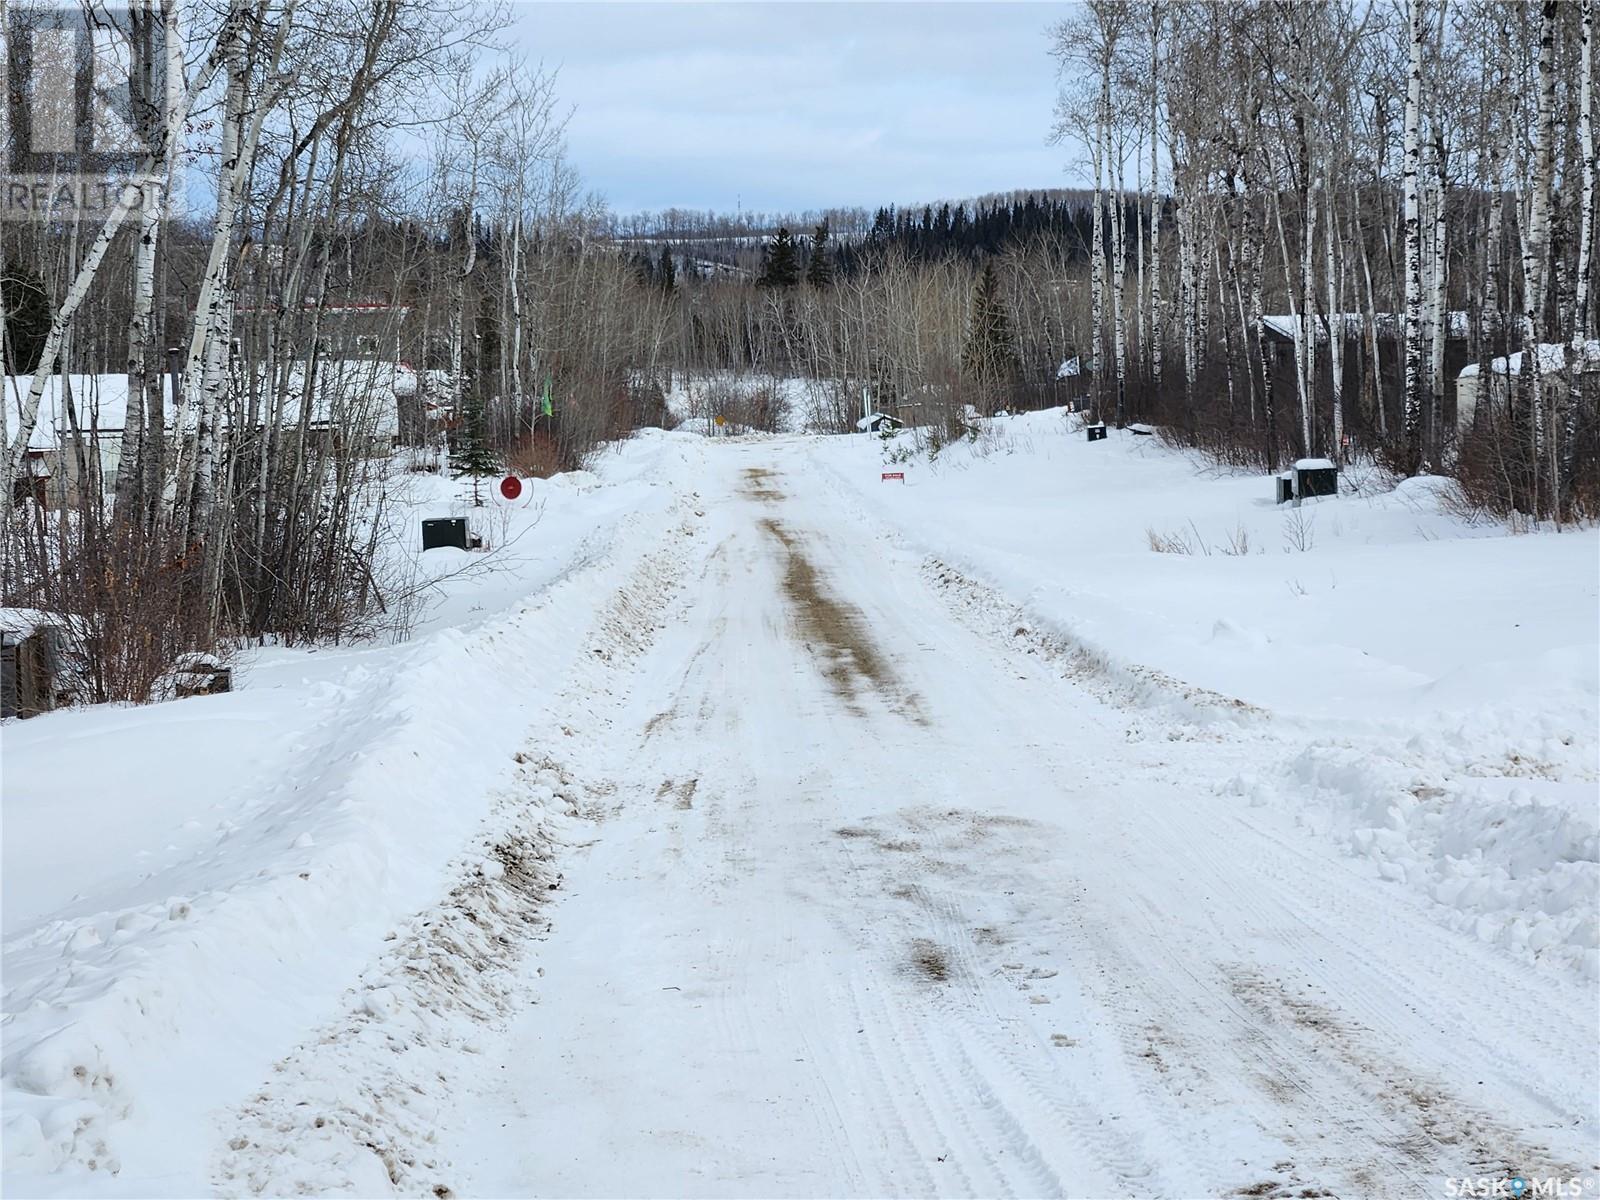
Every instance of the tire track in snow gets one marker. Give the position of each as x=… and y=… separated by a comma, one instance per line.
x=355, y=1107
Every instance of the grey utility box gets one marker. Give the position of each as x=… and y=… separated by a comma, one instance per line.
x=1315, y=477
x=439, y=532
x=1285, y=486
x=1097, y=433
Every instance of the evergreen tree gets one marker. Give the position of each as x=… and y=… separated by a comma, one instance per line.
x=782, y=267
x=470, y=443
x=28, y=315
x=989, y=358
x=667, y=272
x=819, y=271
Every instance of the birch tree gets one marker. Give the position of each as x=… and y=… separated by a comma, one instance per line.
x=1411, y=184
x=128, y=200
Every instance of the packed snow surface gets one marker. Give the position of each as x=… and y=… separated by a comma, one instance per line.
x=1067, y=820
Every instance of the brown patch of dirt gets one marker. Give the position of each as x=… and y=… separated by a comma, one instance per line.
x=1434, y=1125
x=756, y=485
x=930, y=960
x=852, y=831
x=836, y=632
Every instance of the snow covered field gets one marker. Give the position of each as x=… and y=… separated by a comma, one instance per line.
x=766, y=828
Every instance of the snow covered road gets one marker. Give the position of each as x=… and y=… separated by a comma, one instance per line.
x=881, y=906
x=822, y=869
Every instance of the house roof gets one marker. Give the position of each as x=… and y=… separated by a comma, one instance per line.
x=349, y=392
x=1552, y=358
x=1285, y=325
x=877, y=418
x=100, y=402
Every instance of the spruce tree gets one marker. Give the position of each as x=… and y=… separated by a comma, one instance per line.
x=782, y=268
x=28, y=315
x=989, y=358
x=819, y=271
x=472, y=455
x=667, y=272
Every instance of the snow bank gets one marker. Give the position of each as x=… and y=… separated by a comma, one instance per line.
x=1506, y=844
x=232, y=859
x=1425, y=692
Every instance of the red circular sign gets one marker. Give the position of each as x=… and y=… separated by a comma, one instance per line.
x=511, y=487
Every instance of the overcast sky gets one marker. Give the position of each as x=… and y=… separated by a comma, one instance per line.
x=778, y=106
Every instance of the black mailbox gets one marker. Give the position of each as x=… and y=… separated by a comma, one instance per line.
x=444, y=531
x=1097, y=433
x=1315, y=477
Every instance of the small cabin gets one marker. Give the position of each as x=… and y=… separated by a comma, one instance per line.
x=1554, y=360
x=879, y=422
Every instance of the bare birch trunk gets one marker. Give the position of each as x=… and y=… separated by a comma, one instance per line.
x=1413, y=236
x=1118, y=281
x=144, y=384
x=1437, y=310
x=83, y=280
x=1097, y=251
x=1583, y=315
x=1155, y=194
x=1535, y=248
x=1333, y=264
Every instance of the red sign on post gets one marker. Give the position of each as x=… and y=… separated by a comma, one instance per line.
x=511, y=487
x=888, y=475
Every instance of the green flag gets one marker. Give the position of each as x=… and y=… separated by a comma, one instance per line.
x=546, y=408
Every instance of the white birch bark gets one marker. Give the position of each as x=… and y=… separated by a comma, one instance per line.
x=1413, y=237
x=1188, y=291
x=1097, y=302
x=1535, y=243
x=1138, y=250
x=206, y=375
x=1118, y=281
x=1155, y=193
x=1437, y=311
x=1296, y=319
x=1583, y=314
x=1333, y=265
x=1308, y=308
x=83, y=280
x=141, y=332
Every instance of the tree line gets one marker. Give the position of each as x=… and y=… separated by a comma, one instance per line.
x=1411, y=185
x=342, y=288
x=1306, y=220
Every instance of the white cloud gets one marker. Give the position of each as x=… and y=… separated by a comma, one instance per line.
x=806, y=105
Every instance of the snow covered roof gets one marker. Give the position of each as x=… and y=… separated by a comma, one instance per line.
x=1314, y=464
x=877, y=419
x=349, y=392
x=100, y=402
x=20, y=622
x=1552, y=358
x=1285, y=325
